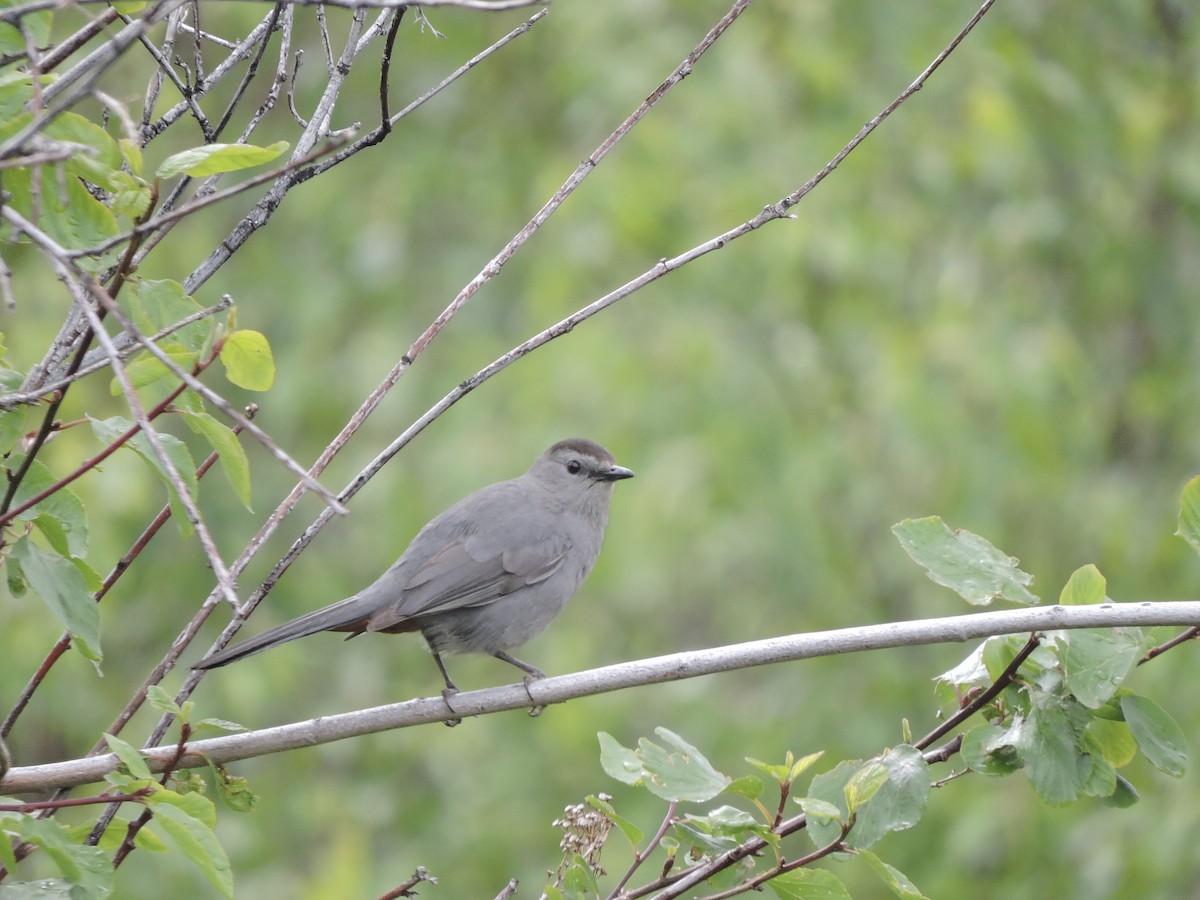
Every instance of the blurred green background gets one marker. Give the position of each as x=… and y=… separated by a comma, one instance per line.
x=989, y=312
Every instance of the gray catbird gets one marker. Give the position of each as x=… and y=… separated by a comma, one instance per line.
x=489, y=573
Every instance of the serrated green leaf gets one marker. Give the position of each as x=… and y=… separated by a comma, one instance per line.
x=896, y=881
x=1158, y=736
x=198, y=844
x=964, y=562
x=158, y=698
x=67, y=528
x=76, y=129
x=88, y=869
x=62, y=588
x=230, y=452
x=247, y=358
x=1189, y=514
x=130, y=758
x=213, y=159
x=67, y=211
x=809, y=884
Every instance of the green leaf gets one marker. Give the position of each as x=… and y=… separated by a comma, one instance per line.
x=195, y=805
x=964, y=562
x=229, y=451
x=989, y=750
x=61, y=516
x=36, y=24
x=68, y=213
x=132, y=153
x=895, y=805
x=109, y=430
x=1189, y=514
x=618, y=761
x=213, y=159
x=1159, y=737
x=130, y=758
x=821, y=809
x=157, y=305
x=678, y=773
x=234, y=790
x=631, y=831
x=219, y=724
x=88, y=869
x=896, y=881
x=1124, y=796
x=746, y=786
x=863, y=785
x=157, y=696
x=808, y=884
x=578, y=879
x=1098, y=660
x=62, y=588
x=197, y=842
x=1102, y=779
x=791, y=768
x=12, y=426
x=1050, y=742
x=147, y=369
x=1113, y=740
x=247, y=358
x=1085, y=586
x=105, y=154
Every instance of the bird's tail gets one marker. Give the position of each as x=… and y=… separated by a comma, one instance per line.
x=340, y=616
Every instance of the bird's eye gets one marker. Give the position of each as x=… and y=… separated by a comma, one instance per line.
x=574, y=466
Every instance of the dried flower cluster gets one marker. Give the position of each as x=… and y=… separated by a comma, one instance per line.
x=585, y=829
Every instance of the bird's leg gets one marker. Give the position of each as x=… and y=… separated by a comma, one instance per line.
x=450, y=690
x=532, y=673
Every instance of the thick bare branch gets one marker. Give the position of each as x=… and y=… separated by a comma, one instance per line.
x=622, y=676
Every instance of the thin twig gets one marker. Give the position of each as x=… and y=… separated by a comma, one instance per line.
x=220, y=570
x=64, y=642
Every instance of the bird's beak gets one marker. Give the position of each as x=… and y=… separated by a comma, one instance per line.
x=614, y=473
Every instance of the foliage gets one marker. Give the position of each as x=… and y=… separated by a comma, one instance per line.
x=987, y=310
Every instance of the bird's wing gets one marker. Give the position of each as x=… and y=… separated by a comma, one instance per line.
x=469, y=571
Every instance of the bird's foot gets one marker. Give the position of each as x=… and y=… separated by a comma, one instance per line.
x=447, y=694
x=536, y=709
